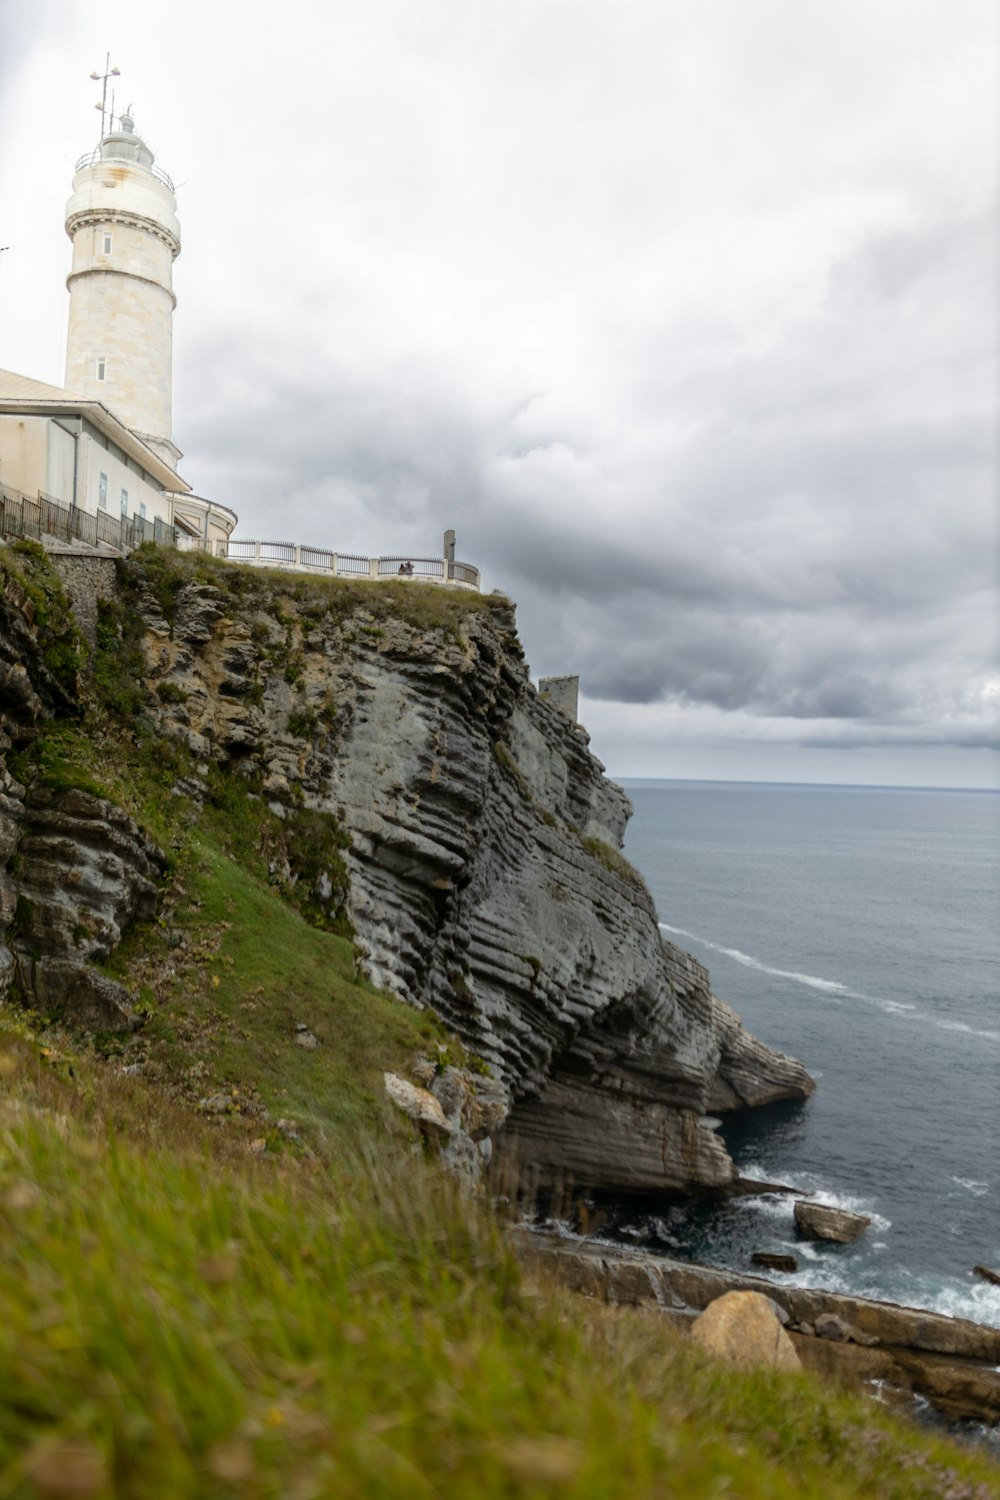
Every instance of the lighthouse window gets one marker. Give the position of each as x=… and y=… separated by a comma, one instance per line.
x=102, y=491
x=107, y=244
x=102, y=367
x=124, y=502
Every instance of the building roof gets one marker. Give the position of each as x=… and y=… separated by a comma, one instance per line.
x=18, y=393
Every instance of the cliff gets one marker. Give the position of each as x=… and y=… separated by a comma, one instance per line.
x=471, y=840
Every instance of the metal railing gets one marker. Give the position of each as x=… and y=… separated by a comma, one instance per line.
x=91, y=158
x=45, y=517
x=411, y=567
x=302, y=559
x=22, y=517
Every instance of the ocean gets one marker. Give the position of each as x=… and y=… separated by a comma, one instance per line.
x=857, y=928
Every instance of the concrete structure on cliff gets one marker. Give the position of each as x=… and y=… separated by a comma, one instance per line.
x=104, y=442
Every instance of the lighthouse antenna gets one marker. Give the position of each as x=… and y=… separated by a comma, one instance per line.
x=102, y=79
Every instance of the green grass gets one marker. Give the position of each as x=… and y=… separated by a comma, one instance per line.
x=26, y=566
x=247, y=589
x=614, y=862
x=59, y=760
x=180, y=1323
x=225, y=1006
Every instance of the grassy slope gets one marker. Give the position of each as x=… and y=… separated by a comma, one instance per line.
x=180, y=1315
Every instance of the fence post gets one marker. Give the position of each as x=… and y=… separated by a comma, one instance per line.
x=373, y=568
x=297, y=550
x=256, y=551
x=333, y=563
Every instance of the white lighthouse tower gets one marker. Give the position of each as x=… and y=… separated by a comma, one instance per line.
x=122, y=219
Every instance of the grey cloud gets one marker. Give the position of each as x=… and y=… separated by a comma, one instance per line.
x=893, y=265
x=831, y=603
x=695, y=348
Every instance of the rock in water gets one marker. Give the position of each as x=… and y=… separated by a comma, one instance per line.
x=743, y=1329
x=774, y=1262
x=815, y=1221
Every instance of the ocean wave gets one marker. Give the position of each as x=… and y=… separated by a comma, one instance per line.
x=805, y=1185
x=822, y=1273
x=963, y=1026
x=833, y=988
x=830, y=986
x=977, y=1189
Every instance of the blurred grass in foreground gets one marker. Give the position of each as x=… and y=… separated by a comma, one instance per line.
x=180, y=1321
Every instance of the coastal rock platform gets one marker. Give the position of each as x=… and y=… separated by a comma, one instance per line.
x=951, y=1362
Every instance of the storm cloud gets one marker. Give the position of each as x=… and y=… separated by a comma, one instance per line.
x=683, y=316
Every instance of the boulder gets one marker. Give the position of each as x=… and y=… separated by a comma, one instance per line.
x=743, y=1329
x=770, y=1262
x=815, y=1221
x=419, y=1104
x=987, y=1274
x=79, y=994
x=829, y=1326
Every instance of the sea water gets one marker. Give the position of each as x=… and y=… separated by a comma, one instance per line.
x=859, y=930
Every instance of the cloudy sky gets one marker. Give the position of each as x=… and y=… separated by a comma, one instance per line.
x=683, y=313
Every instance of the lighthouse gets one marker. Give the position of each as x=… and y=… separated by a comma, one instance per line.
x=122, y=220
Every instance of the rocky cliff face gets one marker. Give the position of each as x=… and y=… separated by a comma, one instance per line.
x=485, y=878
x=74, y=869
x=484, y=873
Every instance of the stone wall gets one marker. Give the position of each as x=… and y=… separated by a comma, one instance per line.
x=563, y=693
x=87, y=578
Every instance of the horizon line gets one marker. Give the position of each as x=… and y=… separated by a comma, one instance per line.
x=861, y=786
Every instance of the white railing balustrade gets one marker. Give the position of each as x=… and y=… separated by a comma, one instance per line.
x=44, y=517
x=301, y=559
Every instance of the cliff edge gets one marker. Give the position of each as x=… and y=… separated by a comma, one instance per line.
x=480, y=837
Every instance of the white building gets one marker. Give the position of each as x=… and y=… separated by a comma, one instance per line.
x=103, y=444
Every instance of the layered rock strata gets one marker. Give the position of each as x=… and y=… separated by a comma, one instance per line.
x=74, y=869
x=485, y=878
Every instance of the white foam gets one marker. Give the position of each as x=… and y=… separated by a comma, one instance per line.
x=977, y=1189
x=773, y=1205
x=829, y=986
x=979, y=1302
x=963, y=1026
x=833, y=988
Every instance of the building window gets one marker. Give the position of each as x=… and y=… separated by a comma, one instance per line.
x=102, y=491
x=107, y=244
x=102, y=367
x=124, y=502
x=142, y=510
